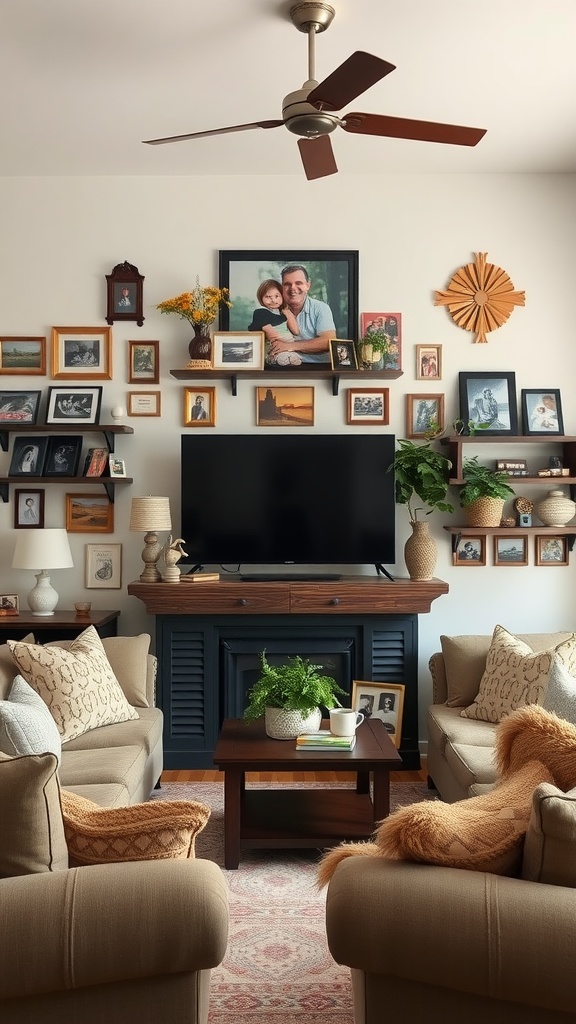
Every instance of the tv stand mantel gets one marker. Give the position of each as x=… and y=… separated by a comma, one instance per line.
x=202, y=629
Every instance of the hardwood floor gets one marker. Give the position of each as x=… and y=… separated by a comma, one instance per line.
x=183, y=775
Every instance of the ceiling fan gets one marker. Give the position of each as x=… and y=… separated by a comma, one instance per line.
x=309, y=111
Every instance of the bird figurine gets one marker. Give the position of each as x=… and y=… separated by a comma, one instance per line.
x=172, y=551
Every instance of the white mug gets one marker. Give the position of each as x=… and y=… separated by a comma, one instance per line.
x=345, y=721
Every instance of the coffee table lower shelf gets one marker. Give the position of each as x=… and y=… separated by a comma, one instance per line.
x=304, y=818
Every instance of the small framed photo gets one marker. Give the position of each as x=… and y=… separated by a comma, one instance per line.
x=96, y=462
x=383, y=701
x=143, y=362
x=541, y=411
x=285, y=407
x=551, y=550
x=124, y=287
x=343, y=355
x=424, y=415
x=391, y=325
x=116, y=467
x=511, y=550
x=428, y=362
x=470, y=551
x=9, y=604
x=74, y=405
x=488, y=400
x=23, y=356
x=199, y=407
x=81, y=352
x=238, y=350
x=63, y=455
x=368, y=406
x=89, y=513
x=19, y=406
x=103, y=567
x=28, y=509
x=28, y=456
x=144, y=403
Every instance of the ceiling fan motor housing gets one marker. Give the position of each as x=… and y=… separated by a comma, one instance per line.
x=303, y=119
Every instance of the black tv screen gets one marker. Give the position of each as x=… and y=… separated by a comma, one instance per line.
x=283, y=499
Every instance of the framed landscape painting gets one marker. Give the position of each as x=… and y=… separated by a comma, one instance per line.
x=262, y=282
x=23, y=356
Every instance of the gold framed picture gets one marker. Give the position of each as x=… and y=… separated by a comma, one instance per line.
x=89, y=513
x=199, y=407
x=144, y=403
x=143, y=362
x=428, y=362
x=382, y=701
x=81, y=352
x=23, y=356
x=285, y=407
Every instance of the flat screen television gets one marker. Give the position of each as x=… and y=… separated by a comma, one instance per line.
x=282, y=499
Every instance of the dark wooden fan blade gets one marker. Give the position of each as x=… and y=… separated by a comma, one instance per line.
x=215, y=131
x=317, y=157
x=404, y=128
x=350, y=80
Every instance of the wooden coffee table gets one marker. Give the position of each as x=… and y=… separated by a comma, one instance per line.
x=285, y=818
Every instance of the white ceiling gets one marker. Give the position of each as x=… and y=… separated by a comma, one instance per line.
x=84, y=81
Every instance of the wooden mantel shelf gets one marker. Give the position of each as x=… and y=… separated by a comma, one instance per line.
x=232, y=596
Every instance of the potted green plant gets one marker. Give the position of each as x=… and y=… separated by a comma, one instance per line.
x=484, y=492
x=421, y=474
x=373, y=349
x=289, y=696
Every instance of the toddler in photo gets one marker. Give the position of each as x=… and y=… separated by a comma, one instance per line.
x=274, y=316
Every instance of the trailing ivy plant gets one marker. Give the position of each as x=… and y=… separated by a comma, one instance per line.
x=421, y=473
x=295, y=686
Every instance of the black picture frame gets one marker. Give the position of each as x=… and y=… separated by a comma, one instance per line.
x=28, y=509
x=73, y=404
x=489, y=398
x=19, y=406
x=343, y=355
x=125, y=294
x=333, y=276
x=541, y=412
x=28, y=456
x=63, y=455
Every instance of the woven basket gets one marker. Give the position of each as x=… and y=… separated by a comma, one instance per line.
x=484, y=512
x=282, y=724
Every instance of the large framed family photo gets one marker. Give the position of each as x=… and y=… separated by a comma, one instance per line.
x=268, y=291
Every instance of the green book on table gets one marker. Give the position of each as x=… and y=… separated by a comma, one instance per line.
x=324, y=740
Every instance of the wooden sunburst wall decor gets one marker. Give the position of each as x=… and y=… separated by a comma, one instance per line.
x=480, y=297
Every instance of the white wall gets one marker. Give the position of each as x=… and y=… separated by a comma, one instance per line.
x=61, y=236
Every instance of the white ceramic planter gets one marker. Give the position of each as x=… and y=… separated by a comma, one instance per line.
x=287, y=725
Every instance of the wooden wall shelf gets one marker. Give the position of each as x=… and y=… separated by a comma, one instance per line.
x=278, y=375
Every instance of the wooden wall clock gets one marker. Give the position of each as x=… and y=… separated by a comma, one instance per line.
x=480, y=297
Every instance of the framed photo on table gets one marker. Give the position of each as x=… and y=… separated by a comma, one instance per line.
x=103, y=567
x=383, y=701
x=328, y=277
x=541, y=411
x=74, y=404
x=9, y=604
x=488, y=400
x=79, y=353
x=28, y=509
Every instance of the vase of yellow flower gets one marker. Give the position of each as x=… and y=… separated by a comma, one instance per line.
x=200, y=307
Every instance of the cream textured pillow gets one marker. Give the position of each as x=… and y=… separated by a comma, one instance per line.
x=515, y=675
x=32, y=832
x=78, y=685
x=26, y=725
x=560, y=695
x=128, y=656
x=157, y=830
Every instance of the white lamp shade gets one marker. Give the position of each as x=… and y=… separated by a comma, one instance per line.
x=150, y=513
x=42, y=549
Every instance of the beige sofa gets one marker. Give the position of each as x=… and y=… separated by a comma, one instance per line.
x=120, y=942
x=460, y=750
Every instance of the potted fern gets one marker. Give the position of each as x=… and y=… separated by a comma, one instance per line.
x=421, y=483
x=483, y=495
x=290, y=696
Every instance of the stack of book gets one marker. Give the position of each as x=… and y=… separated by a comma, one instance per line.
x=200, y=577
x=324, y=740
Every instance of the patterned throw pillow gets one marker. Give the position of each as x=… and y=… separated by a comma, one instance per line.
x=515, y=675
x=26, y=725
x=157, y=830
x=78, y=684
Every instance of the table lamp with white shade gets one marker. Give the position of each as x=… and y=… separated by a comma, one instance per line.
x=148, y=514
x=41, y=550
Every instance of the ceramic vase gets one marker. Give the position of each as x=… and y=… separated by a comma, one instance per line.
x=282, y=724
x=556, y=509
x=420, y=552
x=200, y=348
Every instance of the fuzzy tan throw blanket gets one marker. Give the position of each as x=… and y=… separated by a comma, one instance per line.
x=483, y=833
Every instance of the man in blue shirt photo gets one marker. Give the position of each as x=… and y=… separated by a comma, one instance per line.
x=314, y=318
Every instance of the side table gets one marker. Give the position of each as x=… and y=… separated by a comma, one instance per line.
x=63, y=625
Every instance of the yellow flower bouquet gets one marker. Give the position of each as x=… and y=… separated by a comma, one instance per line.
x=200, y=306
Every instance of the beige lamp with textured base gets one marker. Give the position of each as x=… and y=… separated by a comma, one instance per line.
x=48, y=548
x=147, y=515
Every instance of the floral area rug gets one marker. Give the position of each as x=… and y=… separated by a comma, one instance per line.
x=277, y=969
